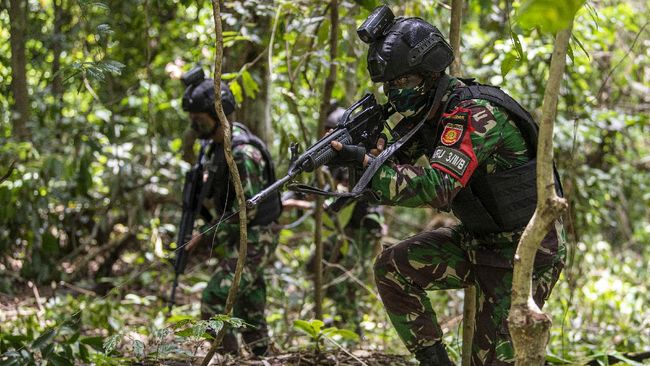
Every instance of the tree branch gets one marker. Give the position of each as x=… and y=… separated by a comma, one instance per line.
x=9, y=171
x=322, y=117
x=236, y=180
x=529, y=326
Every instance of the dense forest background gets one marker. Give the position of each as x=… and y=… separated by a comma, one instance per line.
x=94, y=146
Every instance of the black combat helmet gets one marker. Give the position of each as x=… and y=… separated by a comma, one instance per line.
x=405, y=46
x=333, y=117
x=200, y=98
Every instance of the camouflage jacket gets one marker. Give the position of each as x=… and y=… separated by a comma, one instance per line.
x=440, y=160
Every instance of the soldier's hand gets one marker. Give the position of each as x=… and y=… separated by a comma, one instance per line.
x=381, y=145
x=196, y=238
x=351, y=153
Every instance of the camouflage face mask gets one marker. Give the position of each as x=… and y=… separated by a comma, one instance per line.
x=408, y=101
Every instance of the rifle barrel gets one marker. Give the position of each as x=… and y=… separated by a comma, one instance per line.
x=256, y=199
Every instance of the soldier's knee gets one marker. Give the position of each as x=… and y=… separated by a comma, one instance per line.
x=384, y=264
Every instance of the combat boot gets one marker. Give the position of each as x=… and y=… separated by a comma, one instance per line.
x=435, y=355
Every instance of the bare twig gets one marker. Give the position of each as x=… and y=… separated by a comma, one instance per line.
x=611, y=71
x=78, y=289
x=9, y=171
x=354, y=278
x=346, y=351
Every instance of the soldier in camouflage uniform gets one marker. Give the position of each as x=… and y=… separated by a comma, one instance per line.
x=218, y=197
x=467, y=142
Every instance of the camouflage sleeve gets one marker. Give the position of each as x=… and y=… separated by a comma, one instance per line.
x=471, y=134
x=251, y=165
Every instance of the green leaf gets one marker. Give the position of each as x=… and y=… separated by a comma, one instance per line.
x=45, y=338
x=215, y=325
x=556, y=359
x=231, y=321
x=582, y=47
x=111, y=343
x=104, y=29
x=628, y=361
x=83, y=353
x=508, y=63
x=517, y=43
x=181, y=321
x=250, y=86
x=94, y=342
x=59, y=359
x=345, y=334
x=317, y=325
x=346, y=214
x=368, y=4
x=138, y=348
x=235, y=88
x=185, y=333
x=111, y=66
x=328, y=223
x=306, y=328
x=12, y=359
x=550, y=16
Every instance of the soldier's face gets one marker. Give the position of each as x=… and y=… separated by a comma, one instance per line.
x=407, y=94
x=403, y=82
x=203, y=124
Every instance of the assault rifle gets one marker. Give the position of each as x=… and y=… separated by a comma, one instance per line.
x=191, y=207
x=361, y=124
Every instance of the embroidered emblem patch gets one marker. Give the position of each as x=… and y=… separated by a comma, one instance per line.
x=451, y=134
x=454, y=160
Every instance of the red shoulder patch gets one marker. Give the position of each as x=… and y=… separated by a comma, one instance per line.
x=456, y=124
x=454, y=154
x=451, y=134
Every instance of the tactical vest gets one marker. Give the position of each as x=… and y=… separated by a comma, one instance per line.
x=269, y=209
x=502, y=201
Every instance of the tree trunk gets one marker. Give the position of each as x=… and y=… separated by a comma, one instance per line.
x=529, y=326
x=236, y=180
x=454, y=35
x=469, y=303
x=57, y=48
x=351, y=81
x=322, y=117
x=255, y=113
x=18, y=27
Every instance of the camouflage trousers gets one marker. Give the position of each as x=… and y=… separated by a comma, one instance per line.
x=251, y=297
x=452, y=258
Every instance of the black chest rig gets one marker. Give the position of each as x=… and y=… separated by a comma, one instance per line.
x=506, y=200
x=220, y=189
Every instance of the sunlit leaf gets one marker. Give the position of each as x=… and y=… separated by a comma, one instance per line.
x=549, y=15
x=235, y=88
x=306, y=327
x=250, y=86
x=508, y=63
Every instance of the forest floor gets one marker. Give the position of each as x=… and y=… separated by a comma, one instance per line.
x=299, y=359
x=28, y=300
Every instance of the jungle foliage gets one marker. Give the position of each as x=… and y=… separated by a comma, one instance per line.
x=90, y=194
